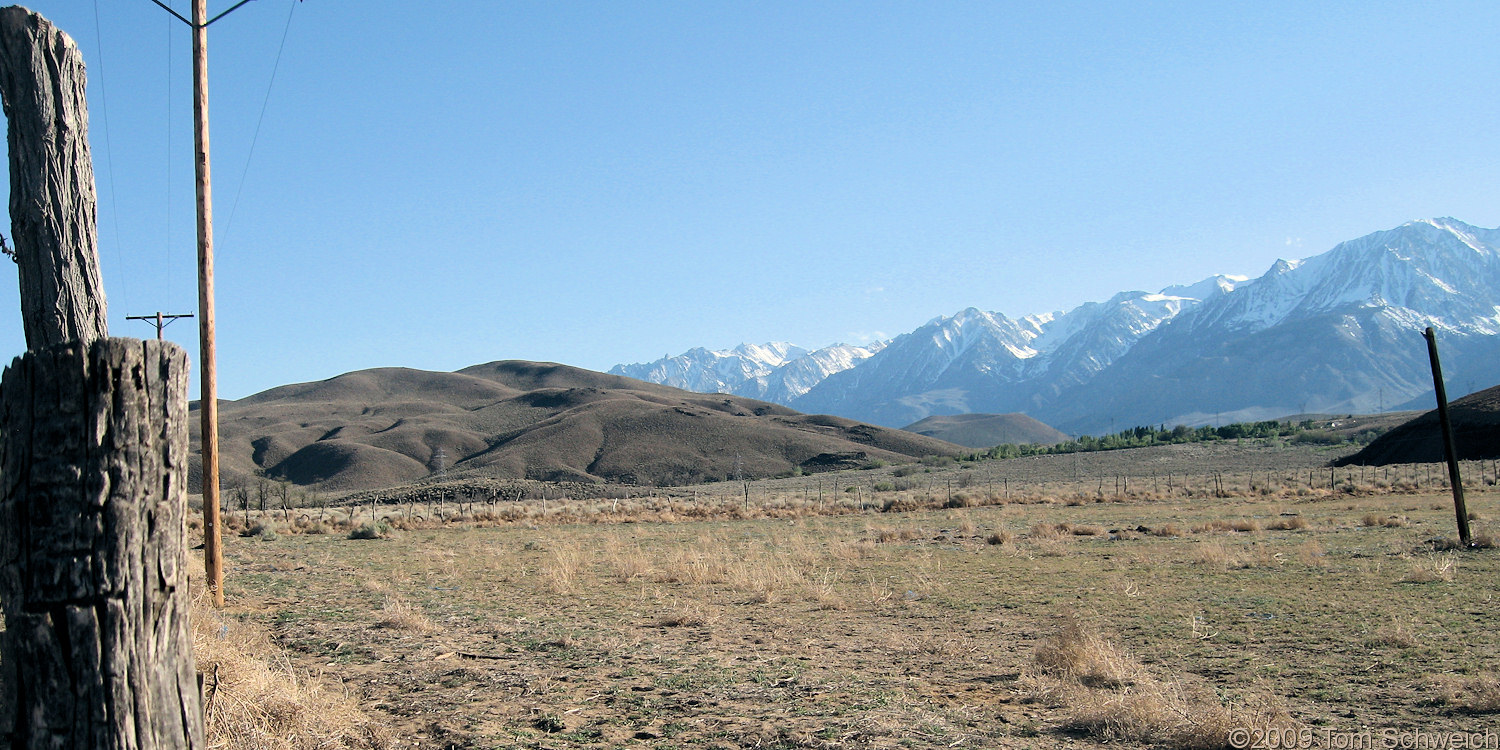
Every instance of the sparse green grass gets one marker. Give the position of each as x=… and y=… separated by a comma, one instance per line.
x=926, y=628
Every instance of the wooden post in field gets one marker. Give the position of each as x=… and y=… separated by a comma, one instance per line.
x=96, y=645
x=1450, y=452
x=208, y=404
x=96, y=650
x=51, y=183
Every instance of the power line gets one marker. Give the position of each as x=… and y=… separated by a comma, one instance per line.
x=234, y=206
x=167, y=228
x=109, y=157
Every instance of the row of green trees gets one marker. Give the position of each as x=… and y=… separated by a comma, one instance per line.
x=1138, y=437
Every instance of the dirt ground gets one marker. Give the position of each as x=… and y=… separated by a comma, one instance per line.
x=1331, y=612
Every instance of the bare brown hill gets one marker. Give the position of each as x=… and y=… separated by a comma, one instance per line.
x=987, y=430
x=1476, y=435
x=388, y=426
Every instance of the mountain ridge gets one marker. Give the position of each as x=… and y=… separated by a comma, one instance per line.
x=1329, y=332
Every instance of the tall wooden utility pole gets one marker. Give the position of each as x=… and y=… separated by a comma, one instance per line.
x=208, y=403
x=208, y=408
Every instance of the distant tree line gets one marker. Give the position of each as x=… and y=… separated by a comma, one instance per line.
x=1307, y=431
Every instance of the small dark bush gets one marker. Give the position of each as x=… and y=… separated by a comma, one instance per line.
x=264, y=529
x=369, y=531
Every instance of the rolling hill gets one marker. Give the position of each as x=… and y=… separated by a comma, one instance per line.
x=1476, y=435
x=986, y=430
x=383, y=427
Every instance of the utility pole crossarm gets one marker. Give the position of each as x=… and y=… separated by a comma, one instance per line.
x=160, y=320
x=193, y=25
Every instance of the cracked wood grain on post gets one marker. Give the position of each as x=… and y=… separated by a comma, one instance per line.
x=96, y=651
x=93, y=581
x=52, y=199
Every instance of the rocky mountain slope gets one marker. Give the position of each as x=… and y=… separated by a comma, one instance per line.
x=1338, y=332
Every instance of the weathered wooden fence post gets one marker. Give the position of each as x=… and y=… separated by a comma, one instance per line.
x=96, y=650
x=1450, y=451
x=51, y=181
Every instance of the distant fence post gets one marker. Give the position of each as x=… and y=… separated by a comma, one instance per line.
x=96, y=651
x=1450, y=451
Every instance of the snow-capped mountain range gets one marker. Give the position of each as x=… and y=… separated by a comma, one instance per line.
x=1337, y=332
x=775, y=371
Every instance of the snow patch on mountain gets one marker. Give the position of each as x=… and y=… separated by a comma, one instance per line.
x=1206, y=289
x=1331, y=331
x=774, y=371
x=707, y=371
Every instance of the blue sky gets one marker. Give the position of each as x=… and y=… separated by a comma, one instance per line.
x=441, y=184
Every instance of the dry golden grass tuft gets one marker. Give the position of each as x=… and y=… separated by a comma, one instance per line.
x=1390, y=522
x=1288, y=523
x=1241, y=525
x=1433, y=568
x=1311, y=553
x=1170, y=529
x=397, y=614
x=256, y=701
x=1048, y=531
x=1477, y=694
x=688, y=566
x=766, y=577
x=1218, y=554
x=1396, y=634
x=1078, y=652
x=826, y=595
x=1110, y=696
x=999, y=537
x=1167, y=714
x=685, y=615
x=564, y=568
x=630, y=564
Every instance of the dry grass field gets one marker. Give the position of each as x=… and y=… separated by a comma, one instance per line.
x=1083, y=617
